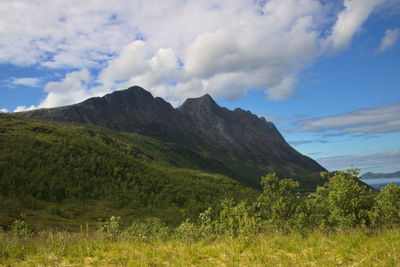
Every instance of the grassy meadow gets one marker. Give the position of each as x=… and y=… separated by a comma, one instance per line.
x=342, y=248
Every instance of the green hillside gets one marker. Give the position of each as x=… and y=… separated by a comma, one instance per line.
x=63, y=174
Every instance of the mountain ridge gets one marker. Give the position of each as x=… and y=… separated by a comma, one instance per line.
x=250, y=145
x=371, y=175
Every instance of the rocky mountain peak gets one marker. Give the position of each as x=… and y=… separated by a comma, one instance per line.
x=199, y=104
x=250, y=144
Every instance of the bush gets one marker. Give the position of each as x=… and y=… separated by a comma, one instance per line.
x=146, y=231
x=20, y=229
x=188, y=231
x=341, y=202
x=112, y=227
x=236, y=220
x=278, y=202
x=386, y=209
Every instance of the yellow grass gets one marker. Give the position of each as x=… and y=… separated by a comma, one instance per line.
x=350, y=248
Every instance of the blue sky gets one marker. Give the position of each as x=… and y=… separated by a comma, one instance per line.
x=327, y=73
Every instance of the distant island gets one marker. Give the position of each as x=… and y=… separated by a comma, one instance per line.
x=371, y=175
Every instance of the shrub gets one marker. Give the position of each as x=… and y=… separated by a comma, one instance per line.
x=386, y=209
x=146, y=231
x=112, y=227
x=236, y=220
x=20, y=228
x=278, y=202
x=188, y=231
x=341, y=202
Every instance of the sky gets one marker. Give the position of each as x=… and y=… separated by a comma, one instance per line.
x=326, y=72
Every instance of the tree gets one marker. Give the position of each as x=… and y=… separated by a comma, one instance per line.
x=386, y=209
x=341, y=201
x=278, y=202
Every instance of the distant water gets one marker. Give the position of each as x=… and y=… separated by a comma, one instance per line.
x=379, y=183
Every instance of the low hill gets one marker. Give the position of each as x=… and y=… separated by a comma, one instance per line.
x=59, y=172
x=371, y=175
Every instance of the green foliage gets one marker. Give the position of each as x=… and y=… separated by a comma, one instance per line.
x=234, y=233
x=188, y=231
x=233, y=220
x=341, y=202
x=279, y=200
x=46, y=165
x=147, y=231
x=112, y=227
x=206, y=225
x=386, y=209
x=20, y=229
x=64, y=162
x=236, y=220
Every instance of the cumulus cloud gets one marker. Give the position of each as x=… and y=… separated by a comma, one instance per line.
x=177, y=49
x=73, y=88
x=25, y=108
x=32, y=82
x=58, y=34
x=3, y=110
x=383, y=119
x=225, y=60
x=389, y=39
x=367, y=162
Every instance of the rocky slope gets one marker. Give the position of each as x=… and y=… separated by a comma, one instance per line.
x=247, y=145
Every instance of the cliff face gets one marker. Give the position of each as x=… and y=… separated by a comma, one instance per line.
x=239, y=138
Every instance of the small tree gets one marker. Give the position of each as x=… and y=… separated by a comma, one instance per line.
x=386, y=209
x=236, y=220
x=341, y=201
x=278, y=202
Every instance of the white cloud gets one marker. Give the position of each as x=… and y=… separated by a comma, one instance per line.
x=32, y=82
x=367, y=162
x=73, y=88
x=389, y=39
x=283, y=90
x=383, y=119
x=350, y=20
x=3, y=110
x=24, y=108
x=175, y=48
x=58, y=34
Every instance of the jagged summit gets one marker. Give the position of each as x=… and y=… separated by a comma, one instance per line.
x=248, y=146
x=202, y=100
x=201, y=104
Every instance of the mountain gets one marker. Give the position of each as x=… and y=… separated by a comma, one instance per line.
x=242, y=144
x=371, y=175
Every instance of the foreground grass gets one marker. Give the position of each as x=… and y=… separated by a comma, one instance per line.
x=355, y=248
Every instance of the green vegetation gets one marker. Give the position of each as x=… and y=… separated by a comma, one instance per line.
x=339, y=226
x=72, y=194
x=63, y=172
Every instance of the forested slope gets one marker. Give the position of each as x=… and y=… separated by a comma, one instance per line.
x=64, y=162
